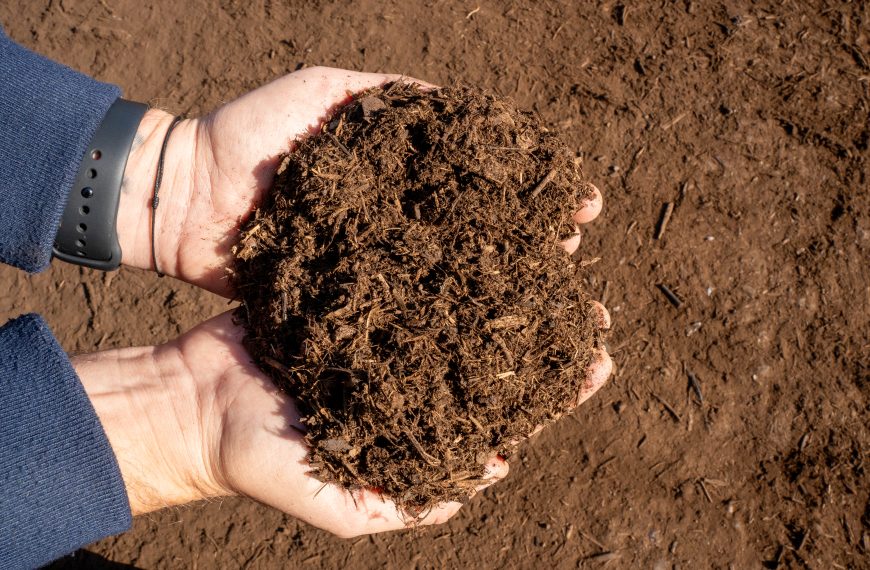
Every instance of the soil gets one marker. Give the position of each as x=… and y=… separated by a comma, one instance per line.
x=751, y=118
x=404, y=282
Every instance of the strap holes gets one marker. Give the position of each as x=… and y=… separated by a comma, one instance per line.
x=96, y=155
x=80, y=243
x=91, y=173
x=82, y=228
x=84, y=210
x=80, y=253
x=87, y=192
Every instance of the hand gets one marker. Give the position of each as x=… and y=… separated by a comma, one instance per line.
x=217, y=168
x=195, y=419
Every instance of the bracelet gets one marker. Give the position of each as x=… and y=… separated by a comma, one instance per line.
x=156, y=199
x=88, y=233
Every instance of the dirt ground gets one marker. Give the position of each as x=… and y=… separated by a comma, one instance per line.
x=751, y=118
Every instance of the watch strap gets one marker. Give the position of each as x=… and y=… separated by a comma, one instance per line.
x=88, y=232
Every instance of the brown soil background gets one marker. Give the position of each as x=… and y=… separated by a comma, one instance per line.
x=751, y=117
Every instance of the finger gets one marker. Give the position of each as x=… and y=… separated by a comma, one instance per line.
x=424, y=85
x=596, y=375
x=368, y=511
x=602, y=315
x=339, y=85
x=496, y=469
x=572, y=243
x=590, y=208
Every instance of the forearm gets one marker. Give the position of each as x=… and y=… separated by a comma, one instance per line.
x=146, y=404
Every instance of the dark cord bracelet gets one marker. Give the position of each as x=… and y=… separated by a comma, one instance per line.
x=156, y=199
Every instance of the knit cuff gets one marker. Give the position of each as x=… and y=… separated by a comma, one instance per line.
x=48, y=115
x=60, y=485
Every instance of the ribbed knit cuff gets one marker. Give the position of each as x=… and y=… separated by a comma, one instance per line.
x=60, y=485
x=48, y=115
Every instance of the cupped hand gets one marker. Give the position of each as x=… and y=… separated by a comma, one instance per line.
x=255, y=447
x=196, y=419
x=217, y=168
x=213, y=424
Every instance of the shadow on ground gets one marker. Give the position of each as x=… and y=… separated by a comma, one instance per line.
x=89, y=560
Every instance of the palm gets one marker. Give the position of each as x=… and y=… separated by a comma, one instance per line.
x=253, y=439
x=238, y=148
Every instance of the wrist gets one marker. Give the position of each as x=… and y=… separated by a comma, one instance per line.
x=135, y=209
x=146, y=403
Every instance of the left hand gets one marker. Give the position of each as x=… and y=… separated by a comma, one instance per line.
x=217, y=168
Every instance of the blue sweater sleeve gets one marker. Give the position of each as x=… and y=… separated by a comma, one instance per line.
x=48, y=115
x=60, y=485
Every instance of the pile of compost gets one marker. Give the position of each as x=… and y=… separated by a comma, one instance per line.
x=404, y=282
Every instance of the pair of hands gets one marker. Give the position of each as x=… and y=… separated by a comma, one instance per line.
x=195, y=418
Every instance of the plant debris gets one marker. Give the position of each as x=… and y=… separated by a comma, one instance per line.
x=404, y=282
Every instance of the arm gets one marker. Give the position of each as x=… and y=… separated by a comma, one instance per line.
x=60, y=487
x=51, y=111
x=48, y=114
x=199, y=431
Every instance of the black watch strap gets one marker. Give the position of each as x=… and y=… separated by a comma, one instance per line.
x=88, y=232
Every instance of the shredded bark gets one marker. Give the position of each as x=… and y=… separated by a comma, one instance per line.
x=404, y=283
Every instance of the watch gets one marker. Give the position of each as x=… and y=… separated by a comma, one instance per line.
x=88, y=232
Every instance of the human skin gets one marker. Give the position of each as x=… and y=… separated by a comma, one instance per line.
x=194, y=418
